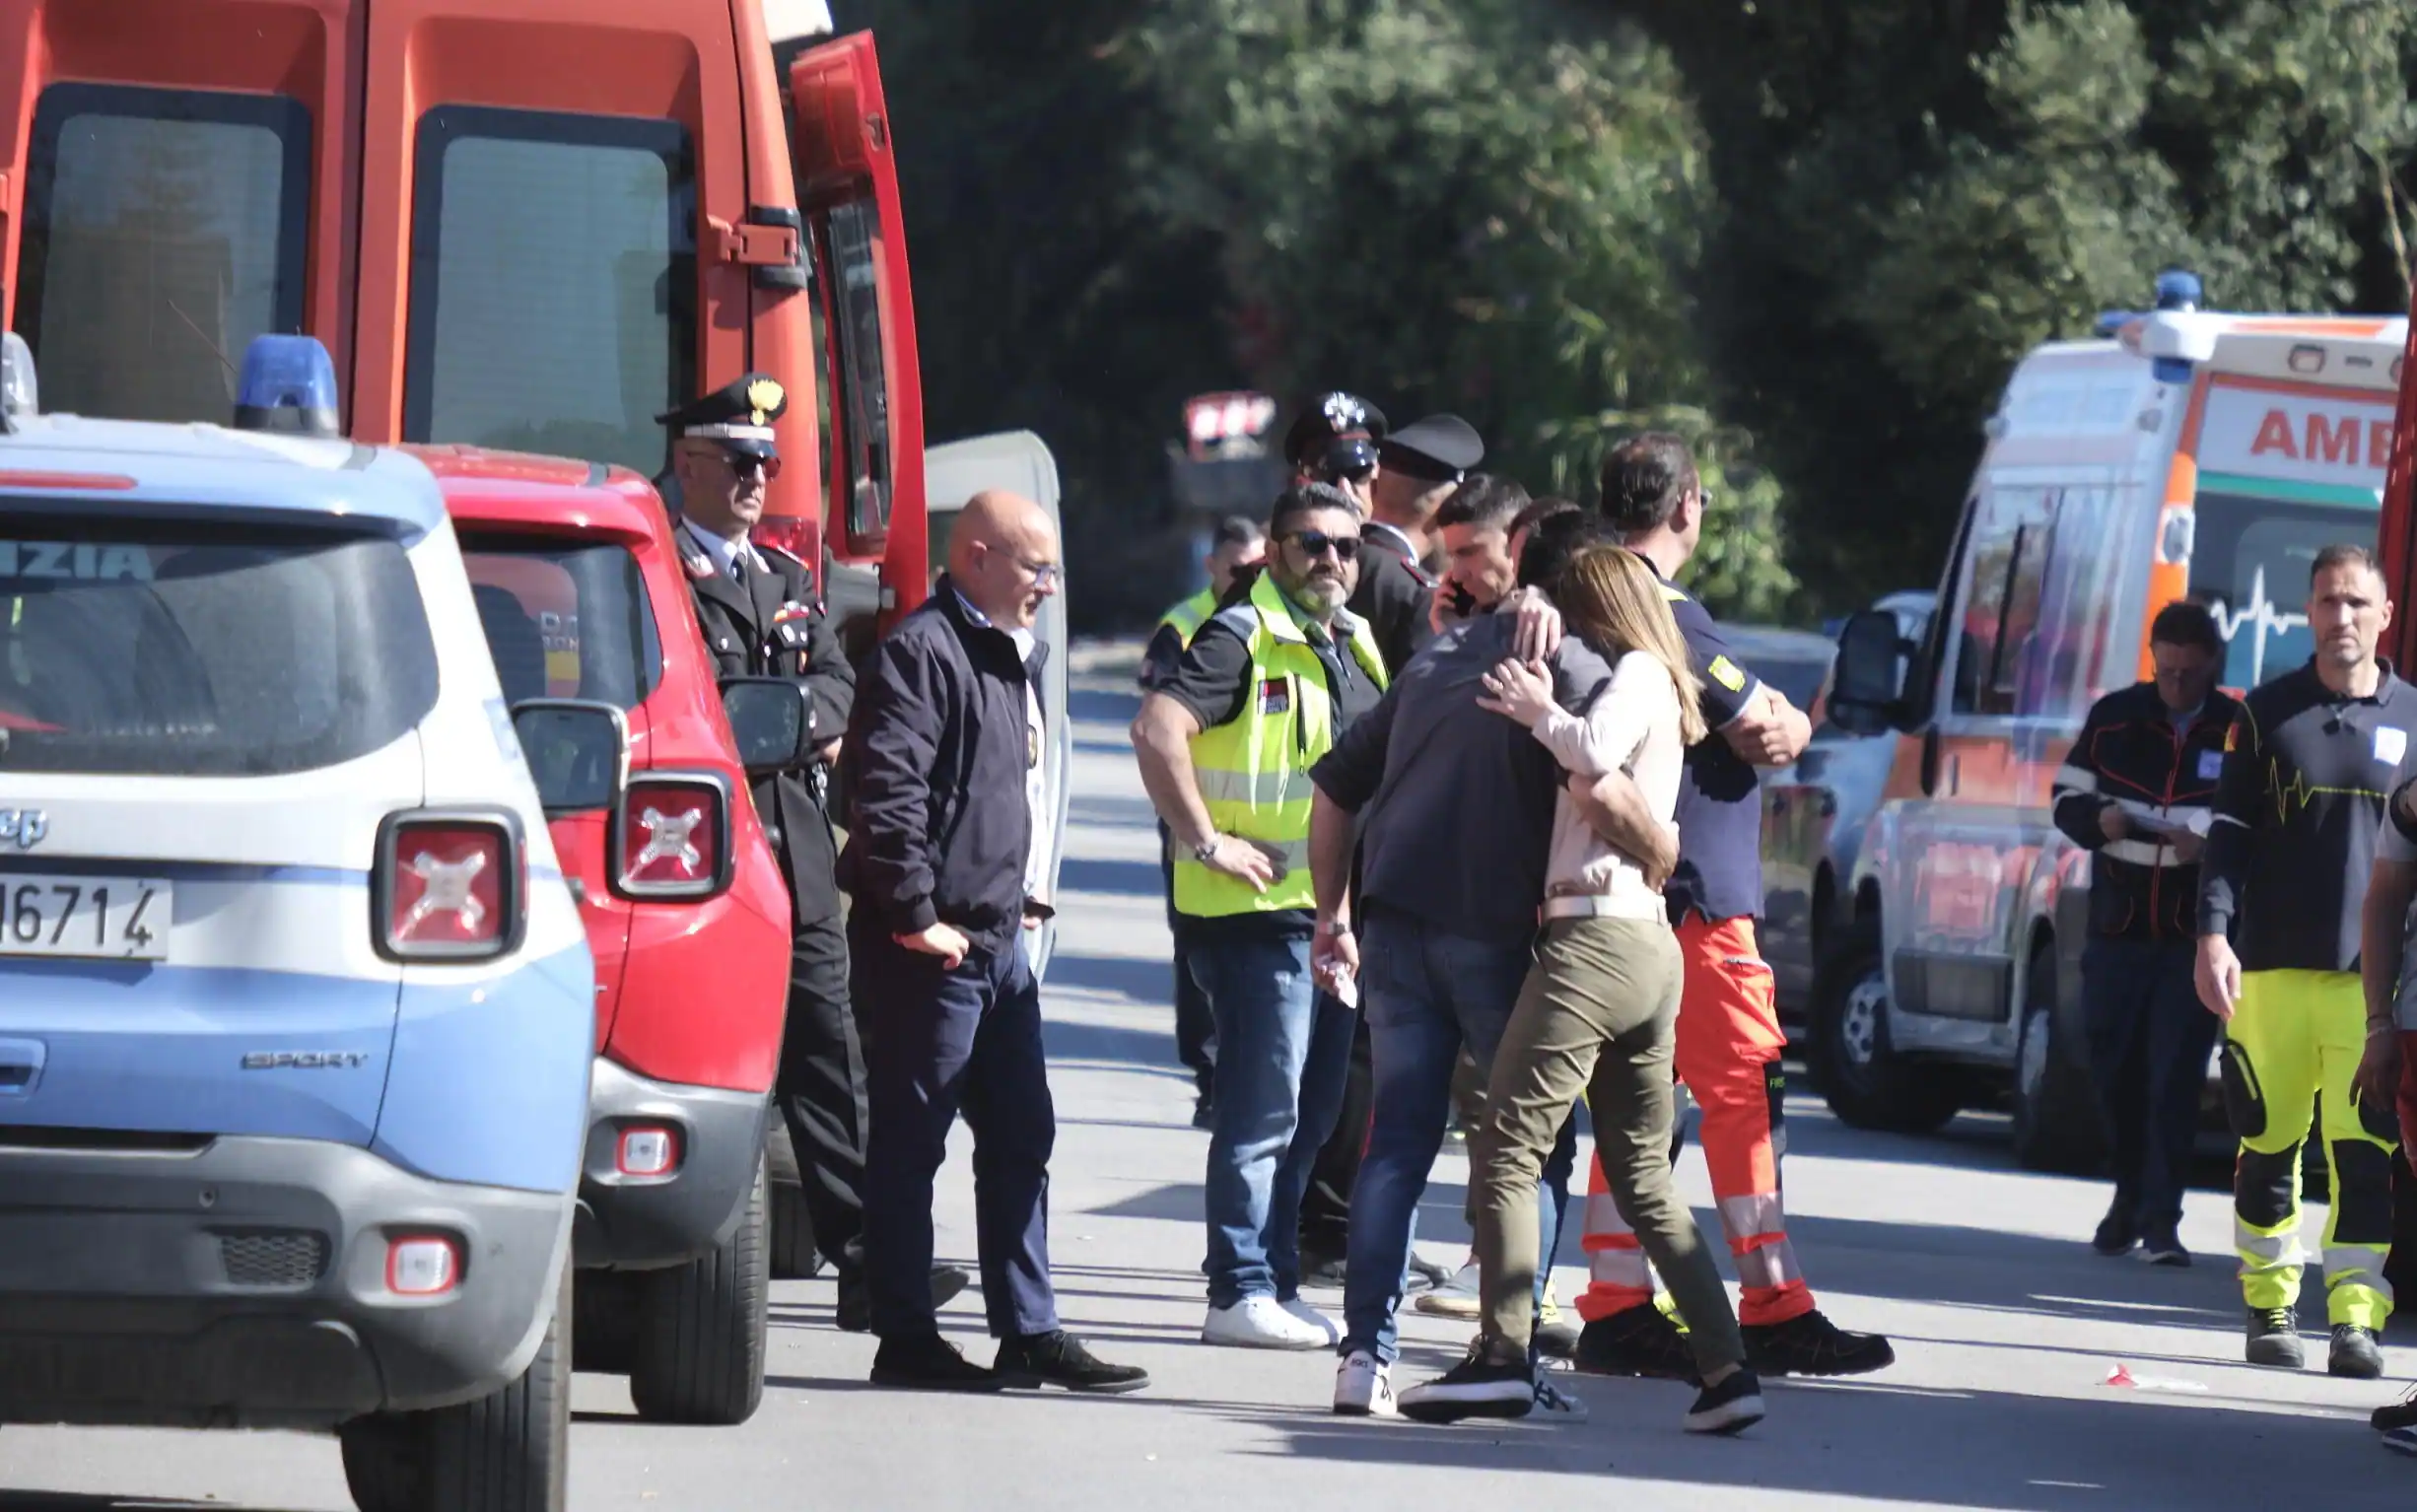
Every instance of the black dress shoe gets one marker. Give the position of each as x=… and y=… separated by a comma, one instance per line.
x=1060, y=1360
x=856, y=1299
x=928, y=1362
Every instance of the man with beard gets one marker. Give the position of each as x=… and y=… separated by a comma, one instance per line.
x=1225, y=745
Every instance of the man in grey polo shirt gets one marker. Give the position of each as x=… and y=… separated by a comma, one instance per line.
x=1458, y=812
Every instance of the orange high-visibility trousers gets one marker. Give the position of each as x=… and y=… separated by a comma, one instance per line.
x=1728, y=1045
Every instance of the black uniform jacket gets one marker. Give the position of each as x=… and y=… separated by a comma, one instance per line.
x=2131, y=755
x=1394, y=596
x=776, y=627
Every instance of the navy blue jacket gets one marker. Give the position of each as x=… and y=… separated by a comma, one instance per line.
x=937, y=753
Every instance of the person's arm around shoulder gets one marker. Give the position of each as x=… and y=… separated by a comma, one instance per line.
x=2224, y=867
x=893, y=746
x=2383, y=940
x=2088, y=817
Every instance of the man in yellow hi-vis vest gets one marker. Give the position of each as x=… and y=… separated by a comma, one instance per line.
x=1238, y=543
x=1225, y=745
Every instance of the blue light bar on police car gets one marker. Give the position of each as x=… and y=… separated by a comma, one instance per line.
x=289, y=386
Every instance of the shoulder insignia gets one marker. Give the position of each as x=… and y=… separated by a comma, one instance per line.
x=1728, y=674
x=697, y=564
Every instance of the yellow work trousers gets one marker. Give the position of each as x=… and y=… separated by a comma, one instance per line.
x=2292, y=1046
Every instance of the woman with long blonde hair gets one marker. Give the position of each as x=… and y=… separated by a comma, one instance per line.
x=1598, y=1014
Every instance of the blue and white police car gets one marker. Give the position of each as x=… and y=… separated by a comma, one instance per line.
x=296, y=1009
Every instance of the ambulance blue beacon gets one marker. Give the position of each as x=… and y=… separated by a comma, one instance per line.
x=295, y=1004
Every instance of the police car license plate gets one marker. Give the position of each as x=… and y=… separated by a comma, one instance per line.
x=110, y=918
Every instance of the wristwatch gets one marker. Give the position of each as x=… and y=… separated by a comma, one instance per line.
x=1206, y=849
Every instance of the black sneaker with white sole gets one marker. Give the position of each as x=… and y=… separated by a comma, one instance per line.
x=1732, y=1407
x=1477, y=1387
x=2165, y=1248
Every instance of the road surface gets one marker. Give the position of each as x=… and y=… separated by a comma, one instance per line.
x=2006, y=1326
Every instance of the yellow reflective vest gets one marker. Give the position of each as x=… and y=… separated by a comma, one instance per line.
x=1187, y=617
x=1253, y=771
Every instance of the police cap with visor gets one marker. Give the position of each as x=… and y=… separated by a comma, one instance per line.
x=737, y=417
x=1335, y=436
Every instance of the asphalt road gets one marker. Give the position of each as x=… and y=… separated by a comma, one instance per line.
x=2006, y=1327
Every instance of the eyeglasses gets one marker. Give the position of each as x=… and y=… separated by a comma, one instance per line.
x=1045, y=575
x=1316, y=543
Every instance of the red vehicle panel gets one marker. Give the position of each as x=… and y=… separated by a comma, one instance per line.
x=688, y=992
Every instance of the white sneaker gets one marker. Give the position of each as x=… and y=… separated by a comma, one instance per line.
x=1332, y=1329
x=1363, y=1388
x=1261, y=1323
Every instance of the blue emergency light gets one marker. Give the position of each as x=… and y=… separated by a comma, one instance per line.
x=289, y=386
x=2178, y=289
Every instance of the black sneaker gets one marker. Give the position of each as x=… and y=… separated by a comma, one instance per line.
x=1203, y=1112
x=855, y=1301
x=1477, y=1387
x=1732, y=1407
x=1810, y=1345
x=1060, y=1360
x=2116, y=1233
x=2355, y=1353
x=1426, y=1274
x=2165, y=1248
x=1635, y=1341
x=928, y=1362
x=2274, y=1339
x=2400, y=1414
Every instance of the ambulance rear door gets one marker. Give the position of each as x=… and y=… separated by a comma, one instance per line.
x=175, y=181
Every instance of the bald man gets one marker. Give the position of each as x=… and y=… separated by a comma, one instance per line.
x=944, y=763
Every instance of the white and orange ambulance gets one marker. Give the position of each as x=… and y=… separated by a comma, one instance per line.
x=2185, y=453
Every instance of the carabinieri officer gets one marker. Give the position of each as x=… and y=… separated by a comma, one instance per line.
x=762, y=618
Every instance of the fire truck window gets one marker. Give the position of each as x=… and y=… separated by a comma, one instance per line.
x=2009, y=558
x=553, y=284
x=165, y=228
x=852, y=234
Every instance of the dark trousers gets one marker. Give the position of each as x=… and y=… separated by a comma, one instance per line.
x=948, y=1042
x=2150, y=1040
x=1196, y=1030
x=821, y=1092
x=1326, y=1211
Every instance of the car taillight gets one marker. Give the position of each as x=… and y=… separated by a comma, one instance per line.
x=673, y=836
x=450, y=886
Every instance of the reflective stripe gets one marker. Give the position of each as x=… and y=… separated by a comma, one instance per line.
x=2228, y=819
x=1264, y=787
x=1747, y=1217
x=2258, y=1249
x=2073, y=779
x=1620, y=1268
x=2147, y=810
x=2140, y=852
x=1769, y=1265
x=2355, y=1266
x=1603, y=1217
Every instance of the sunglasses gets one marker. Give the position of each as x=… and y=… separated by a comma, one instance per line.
x=1317, y=543
x=743, y=464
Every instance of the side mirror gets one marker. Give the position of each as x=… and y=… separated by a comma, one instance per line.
x=1868, y=681
x=772, y=721
x=576, y=751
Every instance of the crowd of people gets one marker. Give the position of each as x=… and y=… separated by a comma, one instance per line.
x=1459, y=798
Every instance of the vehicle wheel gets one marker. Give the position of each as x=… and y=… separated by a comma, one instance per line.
x=793, y=1256
x=700, y=1347
x=1848, y=1053
x=2057, y=1125
x=508, y=1452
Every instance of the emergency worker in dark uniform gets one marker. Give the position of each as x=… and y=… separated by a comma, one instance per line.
x=2301, y=796
x=762, y=618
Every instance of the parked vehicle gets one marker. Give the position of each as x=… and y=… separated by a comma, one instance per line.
x=2189, y=452
x=295, y=1007
x=1814, y=812
x=586, y=611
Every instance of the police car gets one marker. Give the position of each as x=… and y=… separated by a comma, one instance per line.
x=295, y=1007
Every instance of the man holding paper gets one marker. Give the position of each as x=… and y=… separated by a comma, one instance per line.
x=2289, y=857
x=2134, y=793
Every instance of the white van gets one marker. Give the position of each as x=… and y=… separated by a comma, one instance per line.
x=2187, y=452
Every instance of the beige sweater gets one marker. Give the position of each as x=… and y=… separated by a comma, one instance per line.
x=1632, y=727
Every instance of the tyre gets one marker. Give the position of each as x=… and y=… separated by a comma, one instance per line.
x=792, y=1227
x=508, y=1452
x=2056, y=1122
x=699, y=1352
x=1848, y=1053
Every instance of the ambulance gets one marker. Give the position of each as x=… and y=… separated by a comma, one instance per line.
x=2184, y=452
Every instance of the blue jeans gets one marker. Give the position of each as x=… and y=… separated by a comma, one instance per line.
x=1425, y=994
x=1283, y=1052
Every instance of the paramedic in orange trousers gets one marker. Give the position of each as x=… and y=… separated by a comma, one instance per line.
x=1729, y=1040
